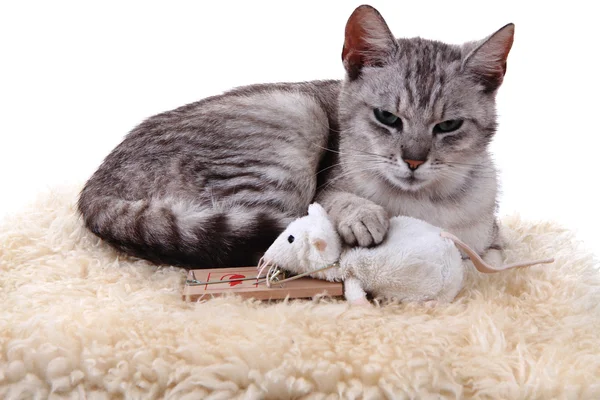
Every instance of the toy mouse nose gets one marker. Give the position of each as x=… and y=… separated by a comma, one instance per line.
x=413, y=164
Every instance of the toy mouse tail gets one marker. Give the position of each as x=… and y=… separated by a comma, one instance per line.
x=484, y=267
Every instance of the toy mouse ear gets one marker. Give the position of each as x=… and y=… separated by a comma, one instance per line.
x=316, y=210
x=320, y=244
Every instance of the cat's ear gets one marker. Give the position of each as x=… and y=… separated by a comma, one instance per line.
x=486, y=62
x=368, y=41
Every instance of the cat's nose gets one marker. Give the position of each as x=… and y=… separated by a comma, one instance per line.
x=413, y=164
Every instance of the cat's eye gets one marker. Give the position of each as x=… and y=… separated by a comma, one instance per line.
x=448, y=126
x=387, y=118
x=291, y=239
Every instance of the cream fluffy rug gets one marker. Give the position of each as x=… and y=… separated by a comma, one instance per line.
x=78, y=321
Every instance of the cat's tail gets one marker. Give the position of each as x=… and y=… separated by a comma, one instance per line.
x=183, y=233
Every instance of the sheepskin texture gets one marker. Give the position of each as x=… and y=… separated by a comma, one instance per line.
x=80, y=321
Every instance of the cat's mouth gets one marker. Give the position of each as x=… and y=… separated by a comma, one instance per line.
x=409, y=182
x=413, y=182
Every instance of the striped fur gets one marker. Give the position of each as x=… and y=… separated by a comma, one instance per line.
x=212, y=183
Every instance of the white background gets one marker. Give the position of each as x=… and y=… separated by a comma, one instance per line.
x=75, y=77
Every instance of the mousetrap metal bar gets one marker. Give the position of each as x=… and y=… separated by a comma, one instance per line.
x=250, y=283
x=275, y=278
x=195, y=282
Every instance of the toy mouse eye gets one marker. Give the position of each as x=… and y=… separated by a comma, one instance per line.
x=291, y=239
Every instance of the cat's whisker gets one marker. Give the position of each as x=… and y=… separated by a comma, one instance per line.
x=347, y=162
x=359, y=163
x=358, y=151
x=459, y=177
x=347, y=173
x=327, y=168
x=456, y=167
x=366, y=152
x=475, y=166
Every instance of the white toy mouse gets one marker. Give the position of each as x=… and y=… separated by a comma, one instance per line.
x=416, y=262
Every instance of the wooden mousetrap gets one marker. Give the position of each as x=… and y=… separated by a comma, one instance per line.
x=205, y=283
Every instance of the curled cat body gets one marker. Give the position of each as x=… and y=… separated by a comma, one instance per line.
x=213, y=183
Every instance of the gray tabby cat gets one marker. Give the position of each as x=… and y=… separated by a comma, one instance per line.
x=211, y=184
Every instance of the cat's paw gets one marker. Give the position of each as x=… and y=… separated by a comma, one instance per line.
x=363, y=224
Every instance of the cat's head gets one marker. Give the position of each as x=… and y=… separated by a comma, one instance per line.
x=416, y=112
